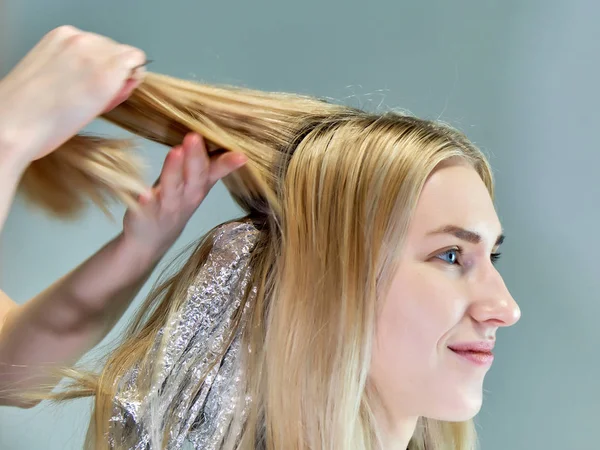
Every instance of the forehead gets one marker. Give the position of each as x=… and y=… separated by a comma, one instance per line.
x=455, y=195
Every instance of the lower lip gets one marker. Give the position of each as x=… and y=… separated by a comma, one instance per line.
x=478, y=358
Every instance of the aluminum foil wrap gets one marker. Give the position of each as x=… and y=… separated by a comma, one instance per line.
x=192, y=342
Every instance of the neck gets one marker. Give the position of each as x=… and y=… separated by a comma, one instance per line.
x=397, y=434
x=395, y=429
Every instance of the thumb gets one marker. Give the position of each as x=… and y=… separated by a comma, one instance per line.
x=130, y=85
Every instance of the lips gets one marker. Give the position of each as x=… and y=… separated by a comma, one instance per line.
x=479, y=353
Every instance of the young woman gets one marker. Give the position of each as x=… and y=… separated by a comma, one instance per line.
x=355, y=306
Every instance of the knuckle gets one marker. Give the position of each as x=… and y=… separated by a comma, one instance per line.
x=62, y=32
x=75, y=41
x=90, y=53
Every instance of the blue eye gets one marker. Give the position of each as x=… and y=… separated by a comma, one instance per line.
x=450, y=256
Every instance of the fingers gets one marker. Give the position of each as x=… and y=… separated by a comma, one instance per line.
x=202, y=171
x=130, y=85
x=188, y=172
x=114, y=70
x=130, y=67
x=196, y=163
x=224, y=164
x=129, y=60
x=171, y=177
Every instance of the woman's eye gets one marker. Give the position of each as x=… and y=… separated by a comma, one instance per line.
x=450, y=256
x=495, y=257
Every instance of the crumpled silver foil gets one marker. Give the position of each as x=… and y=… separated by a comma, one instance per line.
x=167, y=385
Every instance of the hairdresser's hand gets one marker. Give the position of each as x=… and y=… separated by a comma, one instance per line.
x=187, y=176
x=69, y=78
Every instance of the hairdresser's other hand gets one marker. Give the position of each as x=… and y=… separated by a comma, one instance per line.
x=187, y=176
x=69, y=78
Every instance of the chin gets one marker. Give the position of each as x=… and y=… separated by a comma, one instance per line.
x=461, y=410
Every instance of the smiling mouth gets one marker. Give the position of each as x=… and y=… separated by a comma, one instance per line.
x=479, y=353
x=480, y=358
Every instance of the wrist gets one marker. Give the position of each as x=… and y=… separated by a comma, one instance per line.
x=13, y=157
x=140, y=255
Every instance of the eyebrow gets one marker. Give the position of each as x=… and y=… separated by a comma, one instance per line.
x=465, y=235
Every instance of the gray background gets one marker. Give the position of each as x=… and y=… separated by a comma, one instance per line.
x=520, y=77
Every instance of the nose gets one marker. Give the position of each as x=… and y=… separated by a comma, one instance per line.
x=492, y=302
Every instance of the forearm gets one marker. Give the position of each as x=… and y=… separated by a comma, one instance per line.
x=58, y=326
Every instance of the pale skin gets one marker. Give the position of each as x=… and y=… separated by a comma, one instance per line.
x=66, y=81
x=446, y=293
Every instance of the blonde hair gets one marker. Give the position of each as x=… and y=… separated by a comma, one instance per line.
x=332, y=190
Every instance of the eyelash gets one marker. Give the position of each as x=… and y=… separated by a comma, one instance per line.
x=494, y=257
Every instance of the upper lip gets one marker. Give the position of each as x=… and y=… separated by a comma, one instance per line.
x=477, y=346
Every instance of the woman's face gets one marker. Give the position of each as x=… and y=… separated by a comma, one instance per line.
x=437, y=326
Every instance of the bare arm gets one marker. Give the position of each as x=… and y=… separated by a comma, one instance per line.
x=69, y=318
x=92, y=74
x=58, y=326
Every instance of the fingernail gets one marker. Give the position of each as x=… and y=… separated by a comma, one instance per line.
x=148, y=61
x=195, y=138
x=138, y=73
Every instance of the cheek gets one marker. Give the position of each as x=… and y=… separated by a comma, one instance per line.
x=421, y=307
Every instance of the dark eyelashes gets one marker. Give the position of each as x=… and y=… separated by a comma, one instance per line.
x=494, y=257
